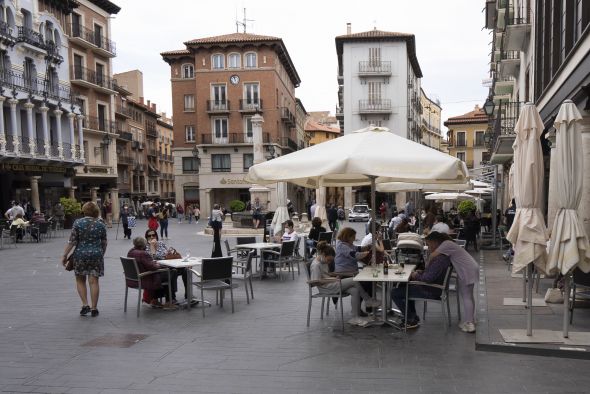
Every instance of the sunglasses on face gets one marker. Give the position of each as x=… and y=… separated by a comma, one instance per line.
x=151, y=235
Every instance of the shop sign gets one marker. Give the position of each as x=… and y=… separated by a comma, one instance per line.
x=98, y=170
x=242, y=181
x=5, y=167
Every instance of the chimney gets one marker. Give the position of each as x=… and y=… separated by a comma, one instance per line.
x=154, y=107
x=141, y=100
x=149, y=105
x=348, y=28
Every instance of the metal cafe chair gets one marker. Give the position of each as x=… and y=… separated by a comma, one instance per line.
x=216, y=274
x=442, y=300
x=132, y=275
x=245, y=275
x=281, y=259
x=324, y=296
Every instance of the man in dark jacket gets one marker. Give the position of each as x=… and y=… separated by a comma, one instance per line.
x=332, y=217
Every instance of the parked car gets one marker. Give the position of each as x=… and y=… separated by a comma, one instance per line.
x=360, y=213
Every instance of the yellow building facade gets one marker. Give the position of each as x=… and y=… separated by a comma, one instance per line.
x=466, y=137
x=319, y=133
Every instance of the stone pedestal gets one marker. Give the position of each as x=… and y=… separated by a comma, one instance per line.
x=304, y=218
x=348, y=199
x=35, y=193
x=115, y=206
x=72, y=192
x=94, y=194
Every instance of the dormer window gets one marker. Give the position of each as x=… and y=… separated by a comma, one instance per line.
x=188, y=71
x=218, y=61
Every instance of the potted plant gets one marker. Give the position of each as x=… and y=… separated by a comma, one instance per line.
x=465, y=207
x=72, y=211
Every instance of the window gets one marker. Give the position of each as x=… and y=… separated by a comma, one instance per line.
x=461, y=156
x=233, y=60
x=461, y=138
x=189, y=102
x=218, y=61
x=190, y=165
x=189, y=133
x=251, y=94
x=188, y=71
x=479, y=138
x=218, y=95
x=250, y=60
x=98, y=36
x=220, y=130
x=374, y=93
x=100, y=74
x=78, y=67
x=374, y=57
x=248, y=161
x=221, y=163
x=102, y=117
x=76, y=24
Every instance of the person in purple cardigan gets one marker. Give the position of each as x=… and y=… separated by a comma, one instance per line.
x=434, y=273
x=152, y=284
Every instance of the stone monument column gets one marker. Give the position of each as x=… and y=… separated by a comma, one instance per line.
x=262, y=192
x=115, y=208
x=93, y=194
x=35, y=193
x=72, y=192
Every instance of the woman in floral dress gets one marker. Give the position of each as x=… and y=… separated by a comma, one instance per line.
x=89, y=241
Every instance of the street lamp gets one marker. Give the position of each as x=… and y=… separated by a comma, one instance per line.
x=195, y=152
x=271, y=153
x=489, y=107
x=106, y=140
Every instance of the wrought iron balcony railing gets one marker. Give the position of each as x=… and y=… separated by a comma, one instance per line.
x=88, y=35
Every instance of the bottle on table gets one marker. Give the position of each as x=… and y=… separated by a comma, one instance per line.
x=385, y=266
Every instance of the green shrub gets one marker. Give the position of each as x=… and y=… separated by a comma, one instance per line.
x=71, y=206
x=465, y=207
x=237, y=206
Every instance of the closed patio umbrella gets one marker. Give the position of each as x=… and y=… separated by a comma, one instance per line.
x=365, y=157
x=281, y=215
x=528, y=233
x=320, y=209
x=569, y=241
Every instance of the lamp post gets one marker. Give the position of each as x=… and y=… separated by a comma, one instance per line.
x=271, y=153
x=195, y=153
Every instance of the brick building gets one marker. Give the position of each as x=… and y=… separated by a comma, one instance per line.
x=218, y=84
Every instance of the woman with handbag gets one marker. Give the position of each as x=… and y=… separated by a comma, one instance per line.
x=158, y=250
x=216, y=222
x=89, y=242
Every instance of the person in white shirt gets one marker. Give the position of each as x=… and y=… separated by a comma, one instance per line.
x=440, y=226
x=289, y=234
x=395, y=221
x=13, y=211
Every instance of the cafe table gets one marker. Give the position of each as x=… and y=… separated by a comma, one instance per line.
x=375, y=274
x=259, y=246
x=187, y=263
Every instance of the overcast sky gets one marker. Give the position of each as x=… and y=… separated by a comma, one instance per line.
x=452, y=48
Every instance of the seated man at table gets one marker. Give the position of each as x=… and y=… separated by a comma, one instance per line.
x=434, y=273
x=440, y=226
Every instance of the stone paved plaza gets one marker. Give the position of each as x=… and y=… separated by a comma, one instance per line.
x=264, y=347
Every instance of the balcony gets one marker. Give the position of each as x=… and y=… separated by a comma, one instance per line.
x=287, y=116
x=91, y=79
x=33, y=39
x=151, y=130
x=250, y=105
x=6, y=36
x=99, y=124
x=518, y=29
x=125, y=160
x=92, y=40
x=231, y=138
x=123, y=111
x=373, y=68
x=137, y=145
x=510, y=64
x=375, y=106
x=503, y=132
x=14, y=79
x=25, y=149
x=152, y=152
x=125, y=135
x=504, y=86
x=218, y=107
x=289, y=144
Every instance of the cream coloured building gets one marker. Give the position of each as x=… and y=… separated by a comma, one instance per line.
x=430, y=122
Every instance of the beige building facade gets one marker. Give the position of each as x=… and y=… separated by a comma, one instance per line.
x=431, y=121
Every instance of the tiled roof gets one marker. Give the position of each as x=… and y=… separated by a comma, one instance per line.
x=311, y=125
x=475, y=116
x=233, y=37
x=376, y=34
x=176, y=52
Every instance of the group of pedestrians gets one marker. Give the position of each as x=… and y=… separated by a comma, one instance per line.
x=191, y=212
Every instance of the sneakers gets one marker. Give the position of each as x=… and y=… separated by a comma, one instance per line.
x=467, y=327
x=85, y=310
x=94, y=312
x=372, y=303
x=411, y=324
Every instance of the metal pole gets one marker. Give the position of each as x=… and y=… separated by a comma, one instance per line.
x=529, y=321
x=566, y=305
x=373, y=234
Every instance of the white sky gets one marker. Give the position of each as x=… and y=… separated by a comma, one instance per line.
x=451, y=46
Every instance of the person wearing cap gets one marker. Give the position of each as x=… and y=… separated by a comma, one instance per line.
x=467, y=271
x=434, y=273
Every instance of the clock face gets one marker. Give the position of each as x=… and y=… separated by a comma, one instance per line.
x=234, y=79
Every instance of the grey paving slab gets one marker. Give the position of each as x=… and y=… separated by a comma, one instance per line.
x=264, y=347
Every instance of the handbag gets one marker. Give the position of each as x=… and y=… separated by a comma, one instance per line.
x=131, y=221
x=554, y=296
x=69, y=266
x=172, y=254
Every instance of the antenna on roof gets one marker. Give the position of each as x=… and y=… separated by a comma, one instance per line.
x=243, y=22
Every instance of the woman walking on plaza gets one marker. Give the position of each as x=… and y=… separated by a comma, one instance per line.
x=179, y=212
x=163, y=219
x=89, y=241
x=216, y=222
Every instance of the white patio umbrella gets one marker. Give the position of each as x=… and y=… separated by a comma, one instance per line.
x=528, y=233
x=365, y=157
x=511, y=182
x=479, y=192
x=320, y=207
x=569, y=243
x=282, y=213
x=392, y=187
x=477, y=183
x=449, y=197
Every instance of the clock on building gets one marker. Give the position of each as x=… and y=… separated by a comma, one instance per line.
x=234, y=79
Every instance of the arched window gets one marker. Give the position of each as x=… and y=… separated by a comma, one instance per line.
x=251, y=60
x=188, y=71
x=218, y=61
x=233, y=60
